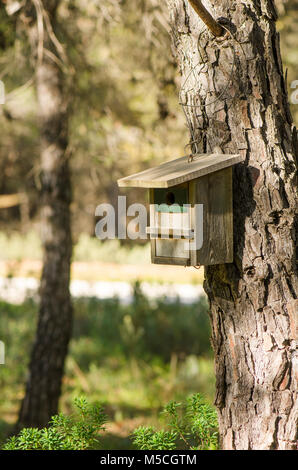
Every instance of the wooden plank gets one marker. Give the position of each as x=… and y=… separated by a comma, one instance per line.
x=180, y=170
x=214, y=191
x=170, y=232
x=193, y=254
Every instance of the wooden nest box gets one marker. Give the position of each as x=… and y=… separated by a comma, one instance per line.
x=191, y=209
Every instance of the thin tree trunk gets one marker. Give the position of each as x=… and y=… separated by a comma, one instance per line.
x=55, y=314
x=253, y=301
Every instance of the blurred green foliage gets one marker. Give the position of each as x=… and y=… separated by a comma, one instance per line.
x=106, y=328
x=18, y=247
x=132, y=358
x=142, y=330
x=110, y=251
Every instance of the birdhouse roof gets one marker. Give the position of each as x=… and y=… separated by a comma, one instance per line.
x=180, y=171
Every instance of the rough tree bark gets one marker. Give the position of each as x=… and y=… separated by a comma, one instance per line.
x=55, y=313
x=253, y=301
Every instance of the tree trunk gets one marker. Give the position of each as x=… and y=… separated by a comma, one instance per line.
x=55, y=313
x=253, y=301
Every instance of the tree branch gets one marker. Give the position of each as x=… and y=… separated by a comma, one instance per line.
x=205, y=16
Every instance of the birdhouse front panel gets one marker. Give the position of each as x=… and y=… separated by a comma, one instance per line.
x=170, y=225
x=191, y=209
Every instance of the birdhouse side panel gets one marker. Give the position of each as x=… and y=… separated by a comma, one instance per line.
x=168, y=219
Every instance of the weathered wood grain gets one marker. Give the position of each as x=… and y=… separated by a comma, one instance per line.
x=214, y=191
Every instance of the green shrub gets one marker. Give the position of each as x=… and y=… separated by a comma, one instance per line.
x=77, y=432
x=192, y=426
x=147, y=438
